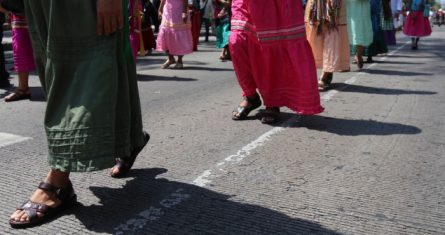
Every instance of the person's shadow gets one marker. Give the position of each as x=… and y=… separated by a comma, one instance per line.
x=354, y=127
x=150, y=205
x=378, y=90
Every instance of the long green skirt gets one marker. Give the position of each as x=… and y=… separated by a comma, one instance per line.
x=93, y=112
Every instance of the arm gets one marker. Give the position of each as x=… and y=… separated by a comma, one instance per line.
x=109, y=16
x=184, y=11
x=227, y=3
x=161, y=8
x=3, y=10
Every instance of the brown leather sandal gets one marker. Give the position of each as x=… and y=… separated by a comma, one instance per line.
x=124, y=164
x=67, y=199
x=325, y=82
x=18, y=94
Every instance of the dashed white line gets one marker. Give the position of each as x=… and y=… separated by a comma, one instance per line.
x=8, y=139
x=205, y=178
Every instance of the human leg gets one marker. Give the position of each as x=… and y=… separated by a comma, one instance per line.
x=4, y=75
x=179, y=64
x=53, y=195
x=241, y=63
x=359, y=56
x=22, y=91
x=170, y=60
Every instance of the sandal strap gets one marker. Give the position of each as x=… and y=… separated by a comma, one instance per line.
x=49, y=187
x=32, y=208
x=62, y=194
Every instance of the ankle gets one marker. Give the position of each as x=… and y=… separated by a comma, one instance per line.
x=58, y=179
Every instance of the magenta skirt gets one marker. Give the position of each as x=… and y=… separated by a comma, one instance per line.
x=270, y=54
x=21, y=46
x=417, y=25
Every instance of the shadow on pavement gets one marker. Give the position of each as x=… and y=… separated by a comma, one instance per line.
x=378, y=90
x=396, y=73
x=147, y=205
x=351, y=127
x=150, y=78
x=399, y=62
x=196, y=68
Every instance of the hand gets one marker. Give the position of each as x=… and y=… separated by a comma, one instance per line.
x=3, y=10
x=160, y=15
x=110, y=16
x=184, y=17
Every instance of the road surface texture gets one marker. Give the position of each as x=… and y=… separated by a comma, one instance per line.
x=372, y=163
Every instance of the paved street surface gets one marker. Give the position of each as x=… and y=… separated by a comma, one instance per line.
x=372, y=163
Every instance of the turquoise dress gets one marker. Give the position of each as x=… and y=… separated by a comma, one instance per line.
x=359, y=22
x=223, y=29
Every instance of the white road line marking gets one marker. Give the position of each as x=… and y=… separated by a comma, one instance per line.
x=8, y=139
x=205, y=178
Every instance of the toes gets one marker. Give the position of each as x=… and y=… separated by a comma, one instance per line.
x=16, y=215
x=19, y=216
x=114, y=170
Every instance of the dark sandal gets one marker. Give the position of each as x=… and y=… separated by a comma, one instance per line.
x=325, y=82
x=270, y=115
x=254, y=103
x=124, y=164
x=66, y=197
x=18, y=94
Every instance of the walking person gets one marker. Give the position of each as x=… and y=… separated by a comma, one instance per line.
x=195, y=18
x=359, y=27
x=207, y=11
x=417, y=24
x=155, y=19
x=93, y=111
x=271, y=55
x=23, y=57
x=175, y=35
x=4, y=75
x=378, y=45
x=327, y=34
x=148, y=38
x=223, y=11
x=387, y=23
x=135, y=10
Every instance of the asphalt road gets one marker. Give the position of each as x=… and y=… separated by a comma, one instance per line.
x=372, y=163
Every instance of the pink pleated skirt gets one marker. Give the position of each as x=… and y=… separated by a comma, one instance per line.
x=175, y=36
x=270, y=54
x=416, y=25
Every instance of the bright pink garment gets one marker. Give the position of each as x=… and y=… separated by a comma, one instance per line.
x=134, y=26
x=175, y=36
x=416, y=25
x=21, y=45
x=270, y=53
